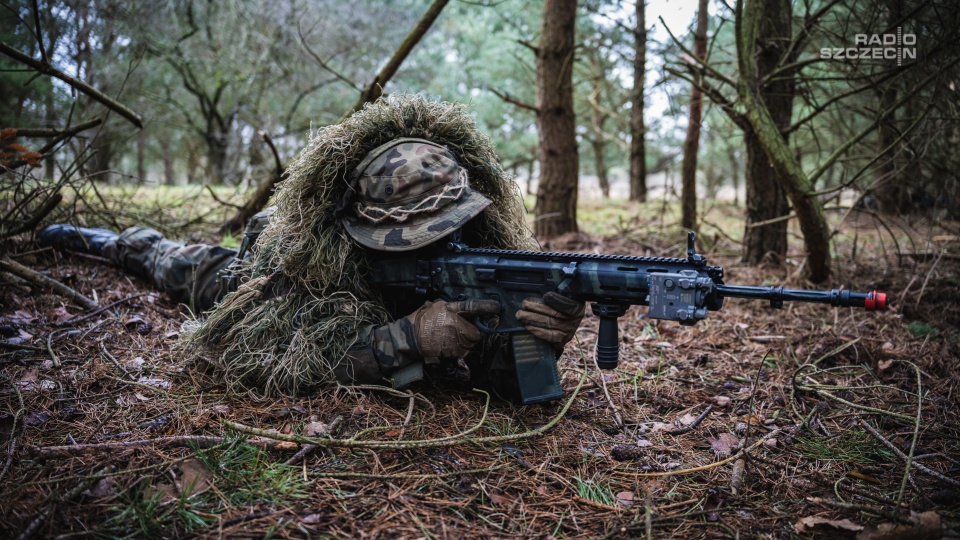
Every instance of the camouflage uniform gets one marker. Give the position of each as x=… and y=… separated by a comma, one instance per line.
x=197, y=275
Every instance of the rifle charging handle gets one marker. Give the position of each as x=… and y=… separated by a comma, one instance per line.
x=608, y=339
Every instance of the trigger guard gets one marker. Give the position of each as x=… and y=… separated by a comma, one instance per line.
x=482, y=326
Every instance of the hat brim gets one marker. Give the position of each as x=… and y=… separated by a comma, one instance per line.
x=420, y=229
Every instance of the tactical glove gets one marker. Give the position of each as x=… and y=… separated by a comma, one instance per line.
x=441, y=332
x=553, y=319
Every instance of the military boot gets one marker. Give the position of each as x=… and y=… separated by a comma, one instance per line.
x=83, y=240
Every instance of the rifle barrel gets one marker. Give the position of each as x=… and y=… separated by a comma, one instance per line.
x=871, y=301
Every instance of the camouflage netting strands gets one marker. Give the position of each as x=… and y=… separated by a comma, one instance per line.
x=290, y=324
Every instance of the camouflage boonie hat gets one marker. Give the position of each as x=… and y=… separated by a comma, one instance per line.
x=408, y=193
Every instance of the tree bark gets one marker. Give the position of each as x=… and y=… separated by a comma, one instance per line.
x=167, y=152
x=559, y=163
x=765, y=199
x=141, y=157
x=755, y=19
x=892, y=196
x=638, y=151
x=691, y=145
x=598, y=144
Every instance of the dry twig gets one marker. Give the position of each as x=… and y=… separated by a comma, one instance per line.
x=21, y=271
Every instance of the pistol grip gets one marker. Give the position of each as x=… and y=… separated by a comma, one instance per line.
x=536, y=364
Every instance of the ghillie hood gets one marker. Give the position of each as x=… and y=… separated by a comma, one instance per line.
x=286, y=327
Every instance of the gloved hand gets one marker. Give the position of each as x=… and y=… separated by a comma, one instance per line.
x=441, y=332
x=553, y=319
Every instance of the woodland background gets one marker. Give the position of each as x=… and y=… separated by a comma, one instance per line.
x=625, y=125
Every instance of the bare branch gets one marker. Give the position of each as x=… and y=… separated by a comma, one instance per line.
x=47, y=69
x=510, y=99
x=375, y=88
x=322, y=62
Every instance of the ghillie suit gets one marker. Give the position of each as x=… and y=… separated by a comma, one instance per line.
x=288, y=326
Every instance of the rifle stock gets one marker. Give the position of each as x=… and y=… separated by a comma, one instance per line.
x=683, y=290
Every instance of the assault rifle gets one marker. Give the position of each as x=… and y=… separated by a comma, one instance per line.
x=683, y=290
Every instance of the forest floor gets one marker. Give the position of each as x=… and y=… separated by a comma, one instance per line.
x=757, y=423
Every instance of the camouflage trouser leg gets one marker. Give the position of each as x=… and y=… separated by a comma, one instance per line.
x=188, y=273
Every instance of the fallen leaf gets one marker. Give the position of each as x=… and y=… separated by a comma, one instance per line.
x=810, y=522
x=59, y=315
x=311, y=519
x=36, y=418
x=884, y=365
x=220, y=409
x=687, y=419
x=724, y=444
x=659, y=426
x=194, y=477
x=313, y=429
x=29, y=379
x=865, y=477
x=136, y=364
x=625, y=498
x=392, y=433
x=503, y=500
x=17, y=317
x=106, y=487
x=721, y=401
x=22, y=336
x=921, y=527
x=160, y=492
x=770, y=443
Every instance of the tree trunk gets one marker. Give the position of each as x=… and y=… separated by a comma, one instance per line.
x=559, y=163
x=768, y=117
x=599, y=119
x=530, y=167
x=765, y=198
x=141, y=157
x=735, y=175
x=167, y=161
x=691, y=145
x=217, y=138
x=638, y=151
x=891, y=193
